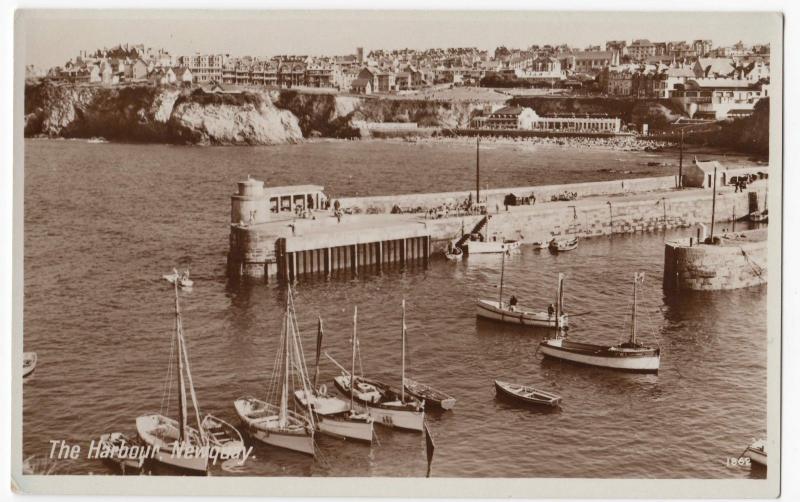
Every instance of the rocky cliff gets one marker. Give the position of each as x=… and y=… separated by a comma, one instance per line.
x=163, y=115
x=169, y=115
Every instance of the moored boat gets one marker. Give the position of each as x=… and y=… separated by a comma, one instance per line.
x=222, y=435
x=334, y=416
x=629, y=356
x=560, y=245
x=454, y=254
x=431, y=396
x=29, y=360
x=510, y=312
x=387, y=406
x=757, y=452
x=117, y=448
x=178, y=444
x=526, y=394
x=182, y=278
x=277, y=424
x=759, y=217
x=486, y=247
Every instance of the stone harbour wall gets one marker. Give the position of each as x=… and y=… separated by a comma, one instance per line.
x=707, y=267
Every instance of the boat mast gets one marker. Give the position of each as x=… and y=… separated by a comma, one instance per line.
x=478, y=172
x=191, y=383
x=558, y=307
x=319, y=350
x=502, y=273
x=713, y=205
x=560, y=297
x=353, y=362
x=633, y=313
x=285, y=390
x=403, y=357
x=182, y=392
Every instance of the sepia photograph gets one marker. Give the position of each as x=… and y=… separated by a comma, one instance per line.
x=365, y=248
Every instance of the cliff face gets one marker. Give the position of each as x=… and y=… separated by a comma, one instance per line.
x=335, y=116
x=160, y=115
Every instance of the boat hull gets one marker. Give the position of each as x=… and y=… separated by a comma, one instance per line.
x=262, y=422
x=756, y=455
x=345, y=428
x=29, y=360
x=383, y=414
x=478, y=247
x=645, y=363
x=541, y=398
x=433, y=398
x=147, y=425
x=489, y=309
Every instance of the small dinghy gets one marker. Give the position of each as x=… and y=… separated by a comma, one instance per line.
x=223, y=436
x=431, y=396
x=759, y=217
x=455, y=254
x=118, y=448
x=629, y=356
x=526, y=394
x=182, y=278
x=560, y=245
x=757, y=452
x=540, y=244
x=29, y=360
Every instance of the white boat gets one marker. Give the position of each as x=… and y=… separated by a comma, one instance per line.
x=485, y=247
x=510, y=312
x=334, y=416
x=182, y=278
x=223, y=436
x=629, y=356
x=29, y=360
x=182, y=447
x=561, y=245
x=454, y=254
x=179, y=445
x=759, y=217
x=277, y=424
x=757, y=452
x=387, y=406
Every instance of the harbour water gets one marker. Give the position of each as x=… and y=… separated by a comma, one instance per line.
x=103, y=222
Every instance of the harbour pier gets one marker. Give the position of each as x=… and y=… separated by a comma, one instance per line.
x=287, y=233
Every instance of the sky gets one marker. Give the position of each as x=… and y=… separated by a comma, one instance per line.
x=52, y=37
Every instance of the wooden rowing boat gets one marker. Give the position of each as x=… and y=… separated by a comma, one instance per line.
x=29, y=360
x=560, y=245
x=527, y=394
x=431, y=396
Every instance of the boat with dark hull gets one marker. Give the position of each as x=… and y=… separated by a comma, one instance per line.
x=561, y=245
x=432, y=397
x=526, y=394
x=628, y=356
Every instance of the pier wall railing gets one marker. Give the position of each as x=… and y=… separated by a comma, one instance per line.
x=496, y=196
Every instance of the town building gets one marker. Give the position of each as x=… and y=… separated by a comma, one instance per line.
x=640, y=49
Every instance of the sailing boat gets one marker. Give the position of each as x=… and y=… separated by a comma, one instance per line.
x=506, y=312
x=334, y=416
x=178, y=444
x=629, y=356
x=277, y=425
x=384, y=404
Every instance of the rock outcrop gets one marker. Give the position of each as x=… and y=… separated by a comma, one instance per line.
x=161, y=115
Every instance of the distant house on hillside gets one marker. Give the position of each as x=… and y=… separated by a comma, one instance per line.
x=361, y=86
x=183, y=76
